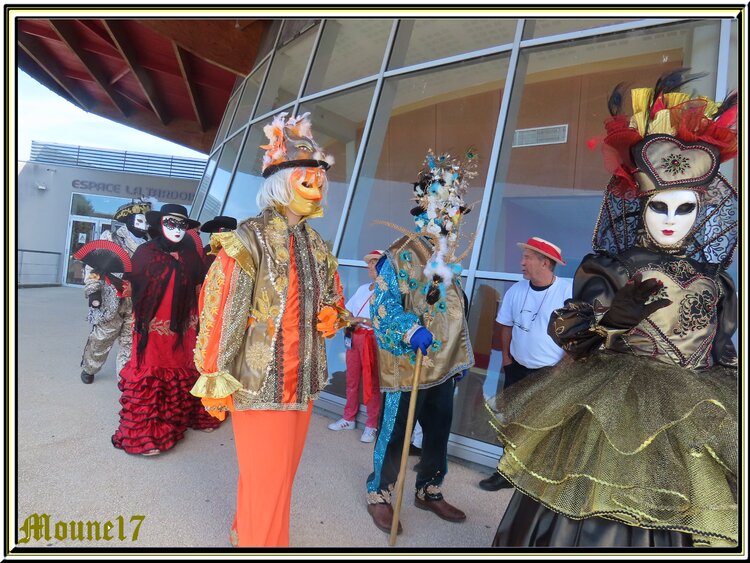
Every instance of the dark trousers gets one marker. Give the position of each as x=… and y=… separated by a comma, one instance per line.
x=515, y=372
x=434, y=411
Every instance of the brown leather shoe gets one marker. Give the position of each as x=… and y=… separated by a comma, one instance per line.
x=441, y=508
x=382, y=515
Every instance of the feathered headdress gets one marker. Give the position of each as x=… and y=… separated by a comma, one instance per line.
x=291, y=145
x=439, y=192
x=672, y=141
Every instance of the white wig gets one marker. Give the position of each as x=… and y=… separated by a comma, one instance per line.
x=277, y=190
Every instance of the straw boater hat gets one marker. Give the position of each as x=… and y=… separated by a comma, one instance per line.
x=543, y=247
x=373, y=255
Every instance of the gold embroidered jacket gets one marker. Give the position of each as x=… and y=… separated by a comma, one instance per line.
x=399, y=305
x=259, y=307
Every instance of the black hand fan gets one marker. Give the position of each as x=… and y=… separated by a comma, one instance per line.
x=106, y=258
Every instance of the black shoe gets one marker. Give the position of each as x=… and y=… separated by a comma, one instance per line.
x=495, y=482
x=87, y=377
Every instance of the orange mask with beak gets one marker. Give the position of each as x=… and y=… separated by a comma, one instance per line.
x=308, y=184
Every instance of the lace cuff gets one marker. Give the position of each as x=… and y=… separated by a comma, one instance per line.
x=215, y=385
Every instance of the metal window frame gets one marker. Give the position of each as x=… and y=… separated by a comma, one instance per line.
x=516, y=47
x=467, y=448
x=232, y=171
x=365, y=138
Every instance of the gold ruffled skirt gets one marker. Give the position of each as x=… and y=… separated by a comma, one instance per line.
x=627, y=438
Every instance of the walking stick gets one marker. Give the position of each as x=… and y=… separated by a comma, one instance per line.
x=405, y=449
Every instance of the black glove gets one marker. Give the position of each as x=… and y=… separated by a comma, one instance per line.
x=629, y=306
x=95, y=299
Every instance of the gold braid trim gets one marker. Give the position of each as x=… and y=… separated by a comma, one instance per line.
x=569, y=476
x=212, y=288
x=215, y=385
x=233, y=246
x=718, y=459
x=649, y=439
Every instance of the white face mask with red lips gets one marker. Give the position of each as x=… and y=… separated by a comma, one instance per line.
x=173, y=228
x=670, y=215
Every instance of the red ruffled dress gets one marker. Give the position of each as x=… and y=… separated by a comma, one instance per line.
x=157, y=406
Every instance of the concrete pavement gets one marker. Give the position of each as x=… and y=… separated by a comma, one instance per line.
x=68, y=468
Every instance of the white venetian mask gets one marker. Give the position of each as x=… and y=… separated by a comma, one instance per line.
x=173, y=228
x=139, y=222
x=670, y=215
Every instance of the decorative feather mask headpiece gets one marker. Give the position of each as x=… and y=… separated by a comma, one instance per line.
x=439, y=192
x=291, y=145
x=672, y=141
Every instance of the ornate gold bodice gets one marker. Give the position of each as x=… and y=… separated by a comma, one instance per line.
x=682, y=332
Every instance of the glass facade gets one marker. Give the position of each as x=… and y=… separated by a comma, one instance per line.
x=419, y=41
x=219, y=186
x=247, y=101
x=340, y=56
x=546, y=26
x=527, y=95
x=448, y=109
x=286, y=71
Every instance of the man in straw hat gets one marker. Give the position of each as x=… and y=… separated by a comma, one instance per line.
x=522, y=320
x=270, y=299
x=110, y=316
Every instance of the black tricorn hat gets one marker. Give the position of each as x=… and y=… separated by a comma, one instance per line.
x=174, y=209
x=219, y=223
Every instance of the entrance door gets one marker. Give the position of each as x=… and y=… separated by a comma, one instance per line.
x=81, y=231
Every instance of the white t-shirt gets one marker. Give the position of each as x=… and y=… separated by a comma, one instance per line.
x=359, y=303
x=530, y=345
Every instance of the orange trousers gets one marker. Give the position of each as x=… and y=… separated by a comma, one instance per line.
x=269, y=446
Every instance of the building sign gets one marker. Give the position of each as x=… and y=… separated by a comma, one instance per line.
x=126, y=190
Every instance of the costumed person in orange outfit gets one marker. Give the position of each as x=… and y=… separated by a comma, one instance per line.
x=362, y=358
x=157, y=406
x=632, y=441
x=270, y=297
